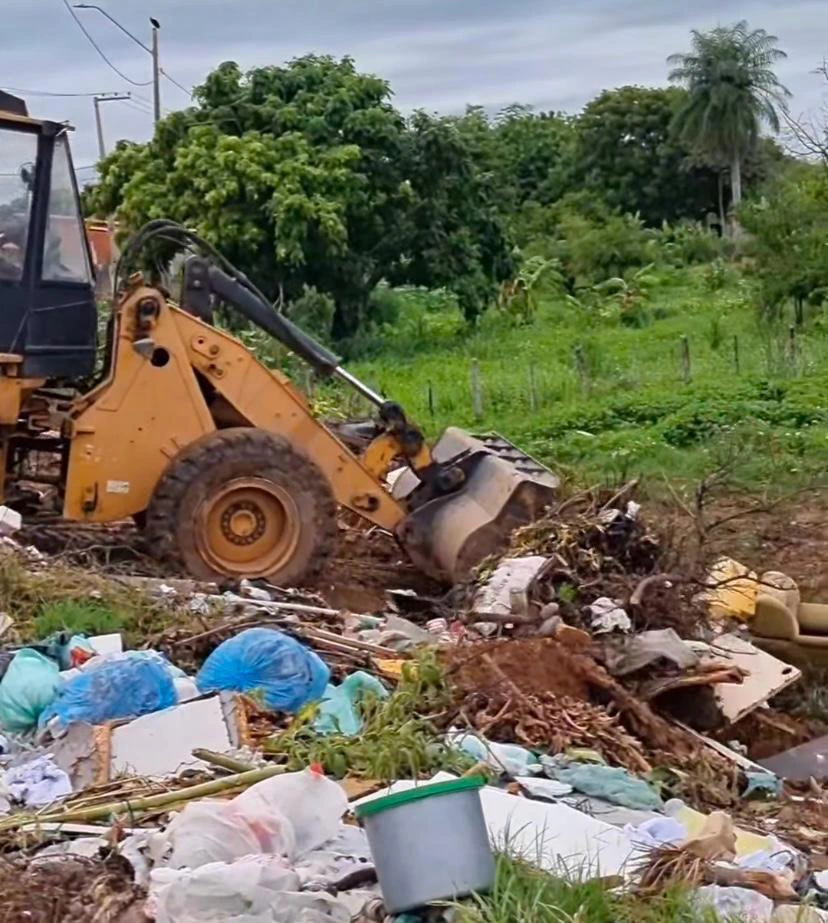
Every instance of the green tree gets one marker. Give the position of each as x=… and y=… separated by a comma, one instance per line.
x=307, y=176
x=627, y=153
x=527, y=155
x=789, y=239
x=732, y=91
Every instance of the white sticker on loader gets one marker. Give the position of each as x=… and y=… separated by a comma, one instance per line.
x=117, y=487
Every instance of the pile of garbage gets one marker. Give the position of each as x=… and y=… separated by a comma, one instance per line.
x=264, y=756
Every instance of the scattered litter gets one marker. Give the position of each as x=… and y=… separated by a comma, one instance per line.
x=735, y=903
x=37, y=782
x=607, y=615
x=27, y=689
x=608, y=782
x=763, y=783
x=508, y=759
x=551, y=836
x=429, y=843
x=340, y=708
x=733, y=590
x=625, y=655
x=510, y=580
x=254, y=889
x=288, y=674
x=10, y=521
x=544, y=789
x=116, y=686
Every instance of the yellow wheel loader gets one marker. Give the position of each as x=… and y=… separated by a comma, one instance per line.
x=218, y=458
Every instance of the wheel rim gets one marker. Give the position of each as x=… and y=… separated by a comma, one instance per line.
x=248, y=527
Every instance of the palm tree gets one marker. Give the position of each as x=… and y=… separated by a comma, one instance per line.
x=732, y=92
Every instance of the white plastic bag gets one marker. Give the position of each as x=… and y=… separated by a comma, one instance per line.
x=287, y=815
x=255, y=889
x=214, y=831
x=311, y=802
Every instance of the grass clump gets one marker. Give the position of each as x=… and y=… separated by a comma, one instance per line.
x=398, y=738
x=525, y=894
x=58, y=597
x=78, y=617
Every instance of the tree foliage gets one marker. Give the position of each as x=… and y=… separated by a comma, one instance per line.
x=733, y=91
x=789, y=239
x=306, y=175
x=627, y=152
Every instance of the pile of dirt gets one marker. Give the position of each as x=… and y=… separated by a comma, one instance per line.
x=70, y=889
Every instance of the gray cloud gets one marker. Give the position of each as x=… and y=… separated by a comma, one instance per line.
x=437, y=54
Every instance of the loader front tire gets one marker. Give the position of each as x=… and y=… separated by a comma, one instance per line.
x=240, y=503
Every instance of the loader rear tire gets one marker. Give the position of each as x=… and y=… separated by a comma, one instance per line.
x=243, y=503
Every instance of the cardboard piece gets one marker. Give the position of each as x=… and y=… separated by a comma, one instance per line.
x=551, y=836
x=767, y=675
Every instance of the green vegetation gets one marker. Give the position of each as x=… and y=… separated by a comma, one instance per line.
x=522, y=894
x=621, y=325
x=397, y=740
x=78, y=617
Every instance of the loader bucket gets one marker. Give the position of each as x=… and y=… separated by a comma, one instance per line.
x=503, y=488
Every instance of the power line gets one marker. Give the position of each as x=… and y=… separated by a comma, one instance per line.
x=44, y=92
x=137, y=41
x=97, y=48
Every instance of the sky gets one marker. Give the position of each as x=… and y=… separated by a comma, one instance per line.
x=437, y=54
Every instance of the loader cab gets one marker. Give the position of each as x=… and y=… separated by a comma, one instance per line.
x=48, y=313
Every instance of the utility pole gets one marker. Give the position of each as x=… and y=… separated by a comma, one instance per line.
x=110, y=222
x=156, y=71
x=96, y=101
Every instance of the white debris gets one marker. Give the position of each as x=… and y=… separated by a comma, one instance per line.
x=608, y=616
x=10, y=521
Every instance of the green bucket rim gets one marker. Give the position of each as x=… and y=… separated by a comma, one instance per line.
x=387, y=802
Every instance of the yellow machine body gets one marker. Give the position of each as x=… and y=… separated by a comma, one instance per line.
x=125, y=432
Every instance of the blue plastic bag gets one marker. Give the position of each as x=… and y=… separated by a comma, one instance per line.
x=126, y=686
x=29, y=686
x=289, y=674
x=339, y=711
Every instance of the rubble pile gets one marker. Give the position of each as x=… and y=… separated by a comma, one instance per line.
x=244, y=753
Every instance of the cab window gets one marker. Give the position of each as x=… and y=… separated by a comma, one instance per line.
x=65, y=254
x=18, y=154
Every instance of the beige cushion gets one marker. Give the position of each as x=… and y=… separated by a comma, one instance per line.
x=782, y=587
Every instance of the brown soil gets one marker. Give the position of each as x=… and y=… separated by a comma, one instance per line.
x=766, y=732
x=534, y=666
x=791, y=536
x=367, y=562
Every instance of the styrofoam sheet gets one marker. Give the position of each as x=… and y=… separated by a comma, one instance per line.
x=551, y=836
x=161, y=744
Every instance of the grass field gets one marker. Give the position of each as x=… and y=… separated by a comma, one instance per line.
x=601, y=399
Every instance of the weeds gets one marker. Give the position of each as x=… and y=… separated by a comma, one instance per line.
x=39, y=599
x=78, y=617
x=397, y=739
x=524, y=894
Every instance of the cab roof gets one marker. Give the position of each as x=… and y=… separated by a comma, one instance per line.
x=13, y=110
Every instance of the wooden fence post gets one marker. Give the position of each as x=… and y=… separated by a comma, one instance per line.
x=582, y=367
x=431, y=400
x=533, y=391
x=477, y=396
x=736, y=352
x=792, y=346
x=686, y=369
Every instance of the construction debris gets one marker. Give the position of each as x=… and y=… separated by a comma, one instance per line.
x=576, y=673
